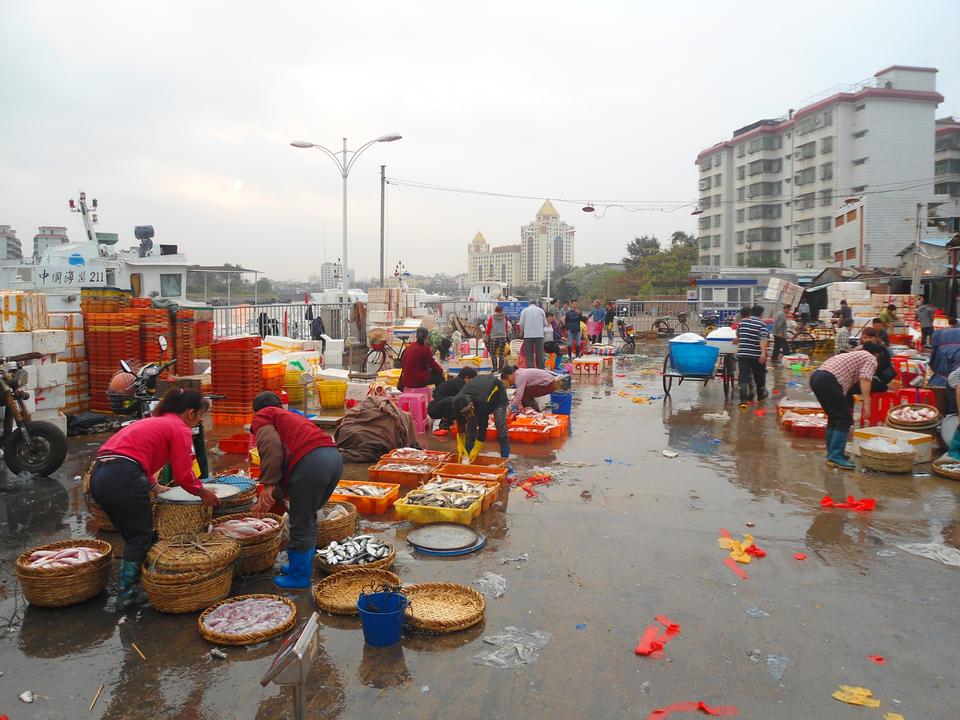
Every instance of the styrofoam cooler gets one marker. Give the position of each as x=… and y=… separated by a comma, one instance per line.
x=54, y=417
x=15, y=343
x=49, y=342
x=50, y=398
x=51, y=374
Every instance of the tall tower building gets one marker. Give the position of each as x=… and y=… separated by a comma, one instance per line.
x=546, y=242
x=500, y=263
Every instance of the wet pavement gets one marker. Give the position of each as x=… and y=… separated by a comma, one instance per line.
x=610, y=545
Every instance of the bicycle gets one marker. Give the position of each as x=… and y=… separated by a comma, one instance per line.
x=381, y=351
x=663, y=327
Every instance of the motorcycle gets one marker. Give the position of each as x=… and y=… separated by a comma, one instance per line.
x=626, y=334
x=32, y=446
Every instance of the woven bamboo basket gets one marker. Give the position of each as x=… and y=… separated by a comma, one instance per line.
x=246, y=638
x=96, y=512
x=330, y=530
x=173, y=519
x=899, y=462
x=938, y=469
x=381, y=564
x=189, y=572
x=259, y=552
x=895, y=422
x=443, y=607
x=58, y=587
x=244, y=498
x=338, y=593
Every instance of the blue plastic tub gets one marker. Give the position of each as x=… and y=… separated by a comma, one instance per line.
x=693, y=358
x=381, y=617
x=562, y=402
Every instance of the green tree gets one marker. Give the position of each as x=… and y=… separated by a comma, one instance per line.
x=264, y=286
x=639, y=248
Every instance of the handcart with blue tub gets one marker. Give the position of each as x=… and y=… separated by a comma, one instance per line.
x=701, y=362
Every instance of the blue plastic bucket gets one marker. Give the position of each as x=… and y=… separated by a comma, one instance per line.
x=562, y=402
x=381, y=616
x=693, y=358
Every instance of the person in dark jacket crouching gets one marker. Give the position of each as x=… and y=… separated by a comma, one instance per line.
x=441, y=407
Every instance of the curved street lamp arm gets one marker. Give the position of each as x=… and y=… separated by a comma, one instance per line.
x=356, y=154
x=333, y=156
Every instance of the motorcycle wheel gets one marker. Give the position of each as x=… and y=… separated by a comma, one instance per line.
x=43, y=455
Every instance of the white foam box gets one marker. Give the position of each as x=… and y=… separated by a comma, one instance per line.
x=334, y=374
x=378, y=295
x=31, y=376
x=377, y=317
x=54, y=417
x=15, y=343
x=51, y=374
x=922, y=443
x=49, y=342
x=50, y=398
x=357, y=390
x=22, y=311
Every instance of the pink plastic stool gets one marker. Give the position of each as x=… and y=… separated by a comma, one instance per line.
x=916, y=395
x=415, y=404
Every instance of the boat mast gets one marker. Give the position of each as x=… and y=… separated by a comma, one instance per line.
x=88, y=213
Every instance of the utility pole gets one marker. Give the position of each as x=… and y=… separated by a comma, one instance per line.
x=915, y=281
x=383, y=193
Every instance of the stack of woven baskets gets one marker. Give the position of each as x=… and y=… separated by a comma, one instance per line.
x=189, y=572
x=182, y=518
x=241, y=501
x=258, y=552
x=930, y=424
x=338, y=528
x=58, y=587
x=886, y=456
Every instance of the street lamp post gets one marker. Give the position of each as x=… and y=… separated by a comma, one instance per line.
x=344, y=160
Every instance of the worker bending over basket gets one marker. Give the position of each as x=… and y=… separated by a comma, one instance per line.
x=123, y=480
x=531, y=384
x=473, y=406
x=441, y=407
x=832, y=383
x=299, y=462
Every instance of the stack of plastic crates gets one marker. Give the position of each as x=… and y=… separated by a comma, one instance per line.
x=203, y=324
x=274, y=375
x=153, y=325
x=109, y=338
x=236, y=367
x=184, y=342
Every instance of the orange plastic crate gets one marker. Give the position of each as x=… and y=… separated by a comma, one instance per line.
x=473, y=472
x=437, y=456
x=368, y=505
x=378, y=474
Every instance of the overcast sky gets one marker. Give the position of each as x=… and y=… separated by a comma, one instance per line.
x=179, y=114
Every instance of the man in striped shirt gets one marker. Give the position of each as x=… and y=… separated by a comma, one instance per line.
x=752, y=354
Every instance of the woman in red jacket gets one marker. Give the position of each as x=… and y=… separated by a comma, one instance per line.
x=123, y=479
x=299, y=462
x=419, y=367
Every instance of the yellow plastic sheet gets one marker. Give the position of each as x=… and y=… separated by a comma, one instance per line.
x=856, y=696
x=893, y=716
x=737, y=548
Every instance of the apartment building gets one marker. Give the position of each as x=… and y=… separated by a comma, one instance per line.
x=500, y=263
x=768, y=196
x=947, y=158
x=546, y=242
x=48, y=236
x=10, y=248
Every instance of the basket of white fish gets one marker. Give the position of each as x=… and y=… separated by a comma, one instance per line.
x=946, y=467
x=65, y=572
x=335, y=521
x=189, y=572
x=887, y=455
x=247, y=619
x=356, y=551
x=259, y=535
x=913, y=416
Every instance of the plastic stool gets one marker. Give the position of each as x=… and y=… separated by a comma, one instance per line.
x=880, y=404
x=916, y=395
x=416, y=405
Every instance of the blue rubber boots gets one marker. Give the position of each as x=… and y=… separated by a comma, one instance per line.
x=299, y=570
x=836, y=449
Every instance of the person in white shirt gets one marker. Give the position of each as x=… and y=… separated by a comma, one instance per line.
x=532, y=323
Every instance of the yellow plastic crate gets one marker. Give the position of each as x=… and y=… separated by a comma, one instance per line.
x=422, y=514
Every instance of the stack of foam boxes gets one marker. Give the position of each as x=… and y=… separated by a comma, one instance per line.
x=782, y=292
x=382, y=307
x=74, y=357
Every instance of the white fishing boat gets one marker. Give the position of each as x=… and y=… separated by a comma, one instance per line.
x=61, y=271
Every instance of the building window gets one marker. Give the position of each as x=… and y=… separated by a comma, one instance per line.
x=858, y=189
x=824, y=251
x=860, y=107
x=739, y=237
x=838, y=256
x=950, y=165
x=705, y=203
x=716, y=260
x=716, y=241
x=838, y=221
x=740, y=216
x=740, y=172
x=805, y=227
x=766, y=142
x=851, y=253
x=716, y=221
x=826, y=171
x=716, y=180
x=763, y=234
x=826, y=224
x=740, y=192
x=852, y=215
x=764, y=189
x=826, y=145
x=826, y=198
x=739, y=259
x=704, y=242
x=807, y=150
x=705, y=222
x=859, y=133
x=765, y=166
x=947, y=188
x=740, y=150
x=828, y=117
x=706, y=163
x=704, y=259
x=705, y=183
x=171, y=285
x=806, y=176
x=764, y=211
x=805, y=201
x=805, y=252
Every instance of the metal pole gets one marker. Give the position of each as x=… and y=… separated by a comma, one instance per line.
x=343, y=270
x=300, y=698
x=915, y=280
x=256, y=290
x=383, y=188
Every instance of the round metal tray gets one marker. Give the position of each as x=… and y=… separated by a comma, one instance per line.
x=443, y=537
x=179, y=495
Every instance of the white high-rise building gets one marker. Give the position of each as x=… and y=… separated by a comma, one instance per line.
x=48, y=236
x=501, y=262
x=10, y=248
x=547, y=241
x=769, y=195
x=947, y=157
x=330, y=276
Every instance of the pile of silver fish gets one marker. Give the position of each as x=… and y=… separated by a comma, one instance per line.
x=246, y=527
x=456, y=486
x=247, y=616
x=62, y=558
x=362, y=490
x=405, y=467
x=409, y=453
x=949, y=467
x=356, y=550
x=331, y=512
x=438, y=498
